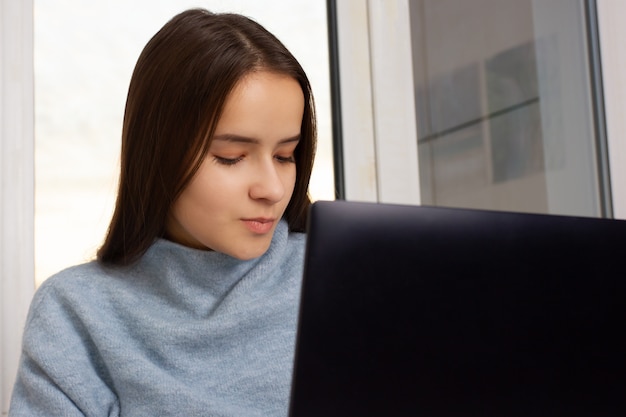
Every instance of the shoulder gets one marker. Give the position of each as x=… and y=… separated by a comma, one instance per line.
x=73, y=293
x=74, y=280
x=58, y=341
x=69, y=307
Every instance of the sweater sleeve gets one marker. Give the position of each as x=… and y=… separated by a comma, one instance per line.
x=59, y=372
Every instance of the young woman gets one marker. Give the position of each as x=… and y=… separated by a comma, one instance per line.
x=191, y=306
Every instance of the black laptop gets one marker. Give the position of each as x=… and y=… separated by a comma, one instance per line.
x=425, y=311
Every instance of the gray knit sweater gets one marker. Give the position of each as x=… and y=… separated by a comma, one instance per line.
x=183, y=332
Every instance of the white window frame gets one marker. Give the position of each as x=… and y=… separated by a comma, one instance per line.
x=377, y=105
x=611, y=15
x=17, y=278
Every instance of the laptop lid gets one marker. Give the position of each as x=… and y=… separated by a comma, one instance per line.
x=413, y=310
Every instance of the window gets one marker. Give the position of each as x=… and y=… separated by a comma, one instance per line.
x=499, y=105
x=505, y=106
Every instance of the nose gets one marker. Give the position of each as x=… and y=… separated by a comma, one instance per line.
x=267, y=184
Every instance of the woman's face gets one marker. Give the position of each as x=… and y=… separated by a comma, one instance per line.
x=239, y=194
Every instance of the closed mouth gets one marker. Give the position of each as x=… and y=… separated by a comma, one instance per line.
x=259, y=225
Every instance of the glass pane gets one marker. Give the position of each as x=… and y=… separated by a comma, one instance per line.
x=84, y=56
x=504, y=107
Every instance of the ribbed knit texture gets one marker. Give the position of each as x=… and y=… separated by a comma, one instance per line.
x=183, y=332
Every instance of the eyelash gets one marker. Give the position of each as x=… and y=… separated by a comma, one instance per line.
x=286, y=159
x=233, y=161
x=227, y=161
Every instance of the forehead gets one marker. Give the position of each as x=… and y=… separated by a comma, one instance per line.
x=263, y=104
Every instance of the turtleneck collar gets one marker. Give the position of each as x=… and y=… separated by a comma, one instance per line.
x=201, y=278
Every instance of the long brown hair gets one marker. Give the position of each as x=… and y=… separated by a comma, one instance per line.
x=176, y=96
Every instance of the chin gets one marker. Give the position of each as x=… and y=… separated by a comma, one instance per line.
x=252, y=253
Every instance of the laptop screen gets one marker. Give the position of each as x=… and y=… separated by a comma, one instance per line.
x=413, y=310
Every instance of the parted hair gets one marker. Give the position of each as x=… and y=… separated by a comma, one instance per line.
x=176, y=96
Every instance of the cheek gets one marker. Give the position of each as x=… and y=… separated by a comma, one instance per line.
x=203, y=198
x=198, y=196
x=290, y=183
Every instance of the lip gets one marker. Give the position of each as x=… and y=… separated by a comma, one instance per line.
x=259, y=225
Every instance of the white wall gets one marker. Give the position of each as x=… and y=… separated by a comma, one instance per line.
x=16, y=183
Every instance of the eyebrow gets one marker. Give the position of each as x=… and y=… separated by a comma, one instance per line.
x=227, y=137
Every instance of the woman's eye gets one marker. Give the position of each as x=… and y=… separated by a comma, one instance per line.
x=227, y=161
x=285, y=159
